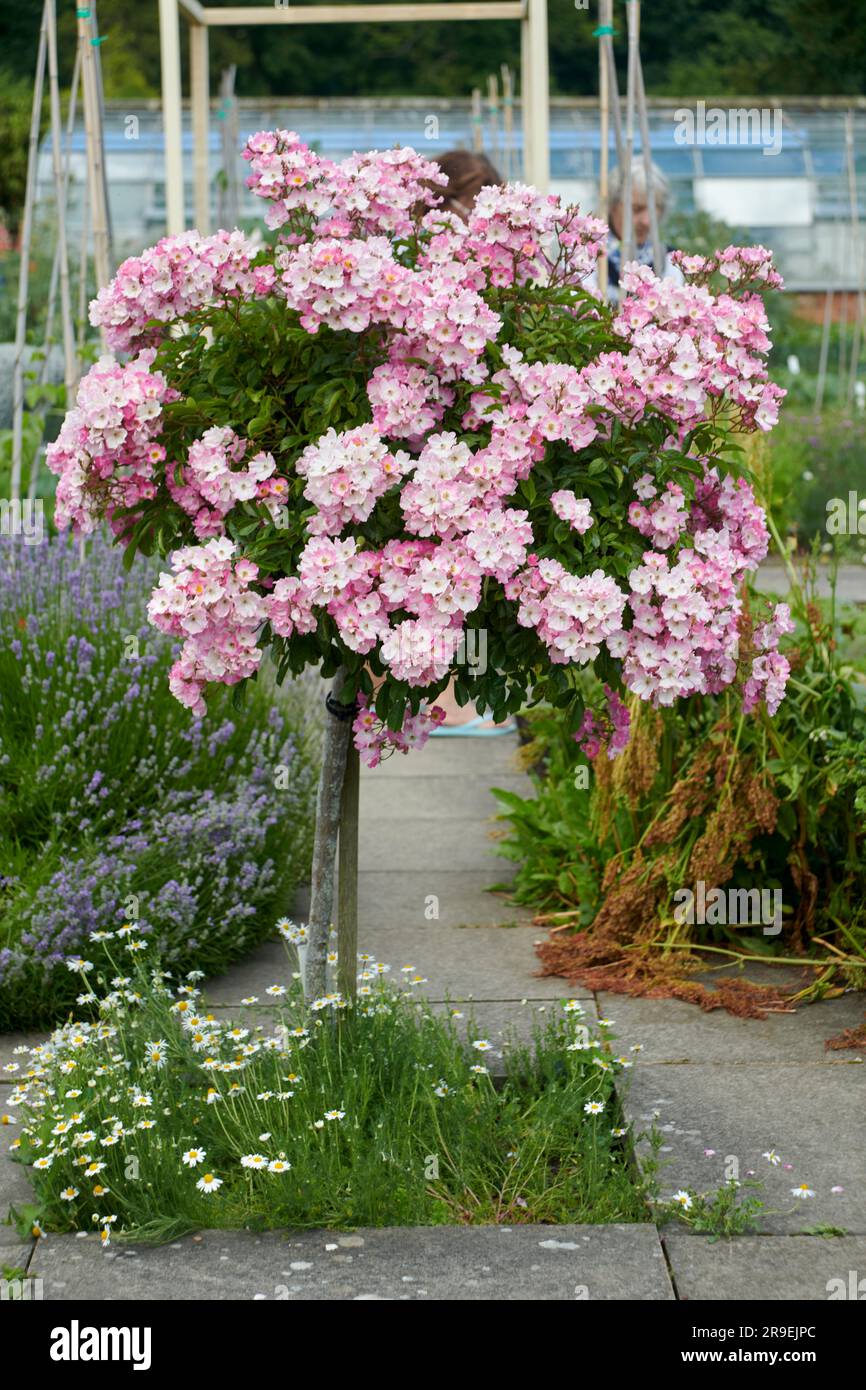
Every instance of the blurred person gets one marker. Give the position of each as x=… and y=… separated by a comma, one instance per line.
x=643, y=251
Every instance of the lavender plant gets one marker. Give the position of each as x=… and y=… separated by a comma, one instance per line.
x=114, y=803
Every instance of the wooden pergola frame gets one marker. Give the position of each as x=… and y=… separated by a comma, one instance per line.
x=534, y=87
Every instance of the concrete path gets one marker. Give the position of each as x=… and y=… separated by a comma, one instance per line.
x=712, y=1082
x=773, y=578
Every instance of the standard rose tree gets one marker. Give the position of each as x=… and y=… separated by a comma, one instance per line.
x=391, y=427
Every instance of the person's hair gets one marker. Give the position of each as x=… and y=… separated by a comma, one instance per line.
x=661, y=187
x=467, y=173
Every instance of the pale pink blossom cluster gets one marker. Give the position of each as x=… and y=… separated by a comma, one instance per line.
x=211, y=482
x=208, y=602
x=407, y=400
x=288, y=174
x=540, y=402
x=611, y=727
x=684, y=636
x=739, y=265
x=379, y=192
x=577, y=511
x=346, y=474
x=768, y=677
x=661, y=519
x=373, y=738
x=345, y=284
x=107, y=449
x=572, y=614
x=383, y=191
x=516, y=235
x=689, y=347
x=729, y=503
x=448, y=325
x=437, y=499
x=172, y=280
x=454, y=491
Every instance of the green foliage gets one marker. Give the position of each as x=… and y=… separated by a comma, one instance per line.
x=375, y=1112
x=15, y=107
x=813, y=460
x=734, y=1209
x=797, y=819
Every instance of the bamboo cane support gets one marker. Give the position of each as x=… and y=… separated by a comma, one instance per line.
x=646, y=149
x=507, y=121
x=70, y=357
x=604, y=14
x=24, y=264
x=825, y=351
x=628, y=247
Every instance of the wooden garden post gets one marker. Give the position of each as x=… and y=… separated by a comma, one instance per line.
x=199, y=87
x=336, y=820
x=169, y=45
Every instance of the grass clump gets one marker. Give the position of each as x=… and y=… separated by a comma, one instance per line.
x=155, y=1117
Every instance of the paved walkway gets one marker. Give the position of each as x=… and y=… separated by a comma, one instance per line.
x=713, y=1083
x=773, y=578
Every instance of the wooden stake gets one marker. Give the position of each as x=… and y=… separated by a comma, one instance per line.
x=613, y=96
x=493, y=118
x=605, y=9
x=646, y=149
x=347, y=880
x=477, y=121
x=538, y=117
x=96, y=53
x=55, y=266
x=628, y=247
x=24, y=264
x=199, y=83
x=95, y=161
x=329, y=800
x=507, y=120
x=825, y=350
x=69, y=354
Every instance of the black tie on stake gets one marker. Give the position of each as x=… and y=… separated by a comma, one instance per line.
x=339, y=711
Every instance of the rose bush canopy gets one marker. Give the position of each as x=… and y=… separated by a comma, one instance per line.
x=391, y=427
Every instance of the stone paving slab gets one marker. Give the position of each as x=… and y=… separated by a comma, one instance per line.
x=438, y=896
x=672, y=1031
x=427, y=847
x=814, y=1117
x=810, y=1268
x=434, y=797
x=15, y=1186
x=456, y=962
x=470, y=1264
